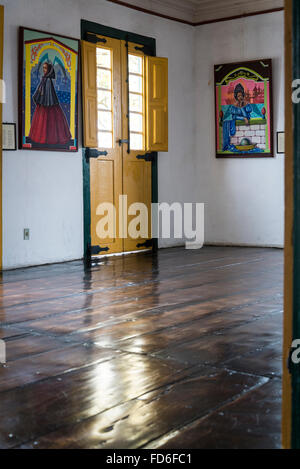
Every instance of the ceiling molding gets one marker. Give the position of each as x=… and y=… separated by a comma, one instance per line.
x=200, y=12
x=236, y=17
x=208, y=10
x=136, y=6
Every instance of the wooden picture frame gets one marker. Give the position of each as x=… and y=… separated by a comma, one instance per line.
x=9, y=136
x=48, y=91
x=244, y=109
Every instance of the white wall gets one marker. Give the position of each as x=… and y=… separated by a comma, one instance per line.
x=43, y=190
x=244, y=198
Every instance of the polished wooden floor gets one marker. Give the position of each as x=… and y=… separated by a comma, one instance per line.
x=177, y=350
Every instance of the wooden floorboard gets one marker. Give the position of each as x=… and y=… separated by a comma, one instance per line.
x=179, y=349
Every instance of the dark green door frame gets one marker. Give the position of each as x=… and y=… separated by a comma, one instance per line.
x=296, y=231
x=150, y=49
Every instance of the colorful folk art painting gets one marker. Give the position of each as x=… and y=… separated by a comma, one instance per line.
x=243, y=94
x=48, y=91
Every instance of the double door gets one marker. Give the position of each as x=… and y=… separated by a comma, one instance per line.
x=120, y=174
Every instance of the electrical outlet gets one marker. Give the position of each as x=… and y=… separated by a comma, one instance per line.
x=26, y=234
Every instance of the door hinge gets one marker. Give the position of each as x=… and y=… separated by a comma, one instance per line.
x=146, y=157
x=93, y=153
x=95, y=39
x=145, y=49
x=94, y=250
x=146, y=244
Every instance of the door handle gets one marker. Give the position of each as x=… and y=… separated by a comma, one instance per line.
x=124, y=140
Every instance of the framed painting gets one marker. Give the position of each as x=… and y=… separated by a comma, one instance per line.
x=243, y=109
x=48, y=91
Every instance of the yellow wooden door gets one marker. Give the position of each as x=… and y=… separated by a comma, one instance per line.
x=137, y=186
x=125, y=107
x=106, y=169
x=157, y=103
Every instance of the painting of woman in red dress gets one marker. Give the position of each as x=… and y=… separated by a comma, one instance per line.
x=49, y=124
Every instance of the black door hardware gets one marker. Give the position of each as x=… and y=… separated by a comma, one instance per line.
x=93, y=153
x=94, y=250
x=124, y=140
x=146, y=157
x=146, y=244
x=95, y=39
x=144, y=49
x=128, y=95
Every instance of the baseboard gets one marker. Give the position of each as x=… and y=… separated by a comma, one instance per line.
x=244, y=245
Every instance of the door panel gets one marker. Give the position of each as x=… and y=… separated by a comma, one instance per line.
x=122, y=171
x=106, y=170
x=157, y=103
x=137, y=184
x=89, y=90
x=137, y=187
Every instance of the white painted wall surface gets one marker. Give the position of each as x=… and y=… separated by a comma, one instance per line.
x=43, y=190
x=244, y=198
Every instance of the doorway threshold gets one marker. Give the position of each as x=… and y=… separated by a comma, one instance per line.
x=96, y=259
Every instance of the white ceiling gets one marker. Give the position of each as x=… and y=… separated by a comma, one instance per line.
x=198, y=11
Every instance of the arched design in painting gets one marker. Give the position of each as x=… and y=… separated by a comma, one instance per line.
x=49, y=91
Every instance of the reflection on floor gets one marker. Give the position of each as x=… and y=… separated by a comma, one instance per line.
x=178, y=350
